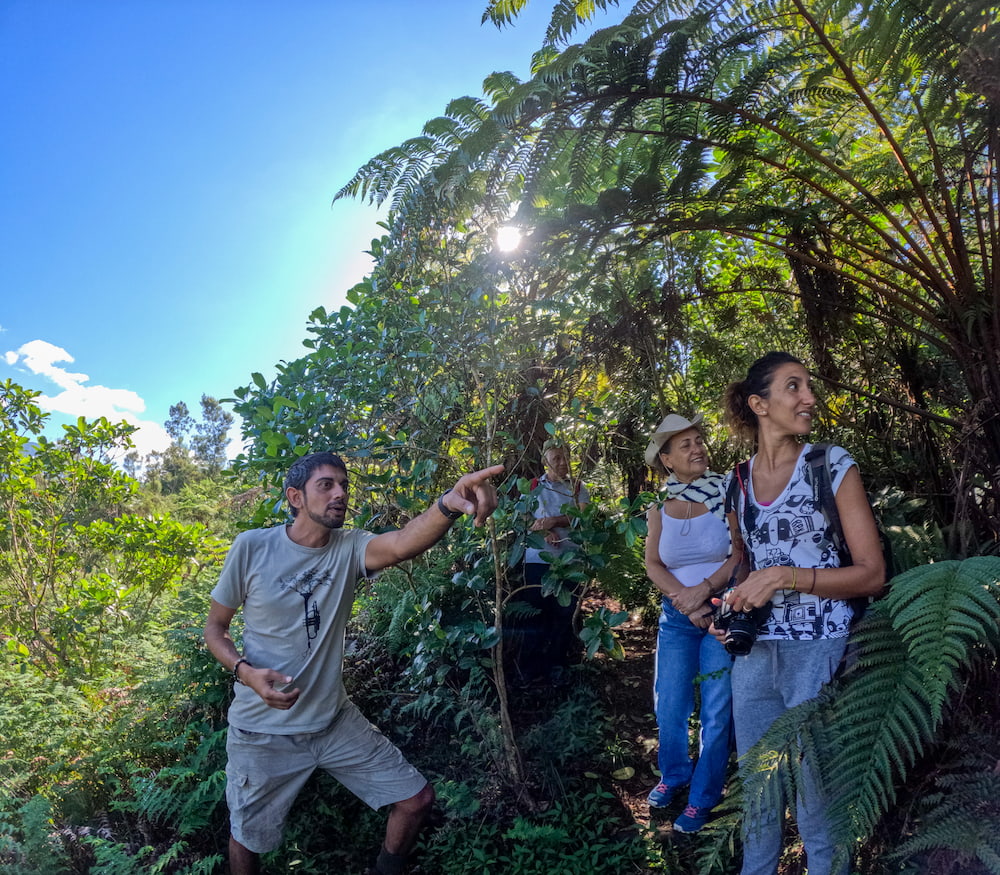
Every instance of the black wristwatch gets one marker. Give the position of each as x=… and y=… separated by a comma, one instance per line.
x=447, y=511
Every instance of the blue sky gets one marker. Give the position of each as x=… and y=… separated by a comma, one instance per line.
x=166, y=175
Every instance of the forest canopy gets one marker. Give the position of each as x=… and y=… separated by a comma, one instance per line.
x=703, y=181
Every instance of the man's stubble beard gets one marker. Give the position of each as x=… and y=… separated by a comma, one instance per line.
x=325, y=520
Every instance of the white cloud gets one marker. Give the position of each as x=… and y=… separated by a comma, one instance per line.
x=150, y=437
x=41, y=357
x=77, y=399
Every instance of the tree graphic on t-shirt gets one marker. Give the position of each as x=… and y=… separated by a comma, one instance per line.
x=305, y=584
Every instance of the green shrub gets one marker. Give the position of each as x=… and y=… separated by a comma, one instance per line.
x=30, y=844
x=45, y=726
x=578, y=835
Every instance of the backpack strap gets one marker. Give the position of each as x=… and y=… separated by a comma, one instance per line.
x=818, y=459
x=733, y=493
x=821, y=475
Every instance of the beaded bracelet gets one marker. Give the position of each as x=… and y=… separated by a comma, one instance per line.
x=236, y=668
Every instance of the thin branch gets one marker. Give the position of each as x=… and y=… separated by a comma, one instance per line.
x=892, y=402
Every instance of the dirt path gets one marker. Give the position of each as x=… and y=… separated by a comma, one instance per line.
x=626, y=690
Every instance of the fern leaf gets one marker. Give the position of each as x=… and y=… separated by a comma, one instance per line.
x=941, y=610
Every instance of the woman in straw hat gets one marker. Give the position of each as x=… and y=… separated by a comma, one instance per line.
x=689, y=557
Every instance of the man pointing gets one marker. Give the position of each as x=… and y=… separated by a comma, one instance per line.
x=290, y=713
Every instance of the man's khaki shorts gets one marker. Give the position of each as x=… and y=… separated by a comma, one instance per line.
x=266, y=772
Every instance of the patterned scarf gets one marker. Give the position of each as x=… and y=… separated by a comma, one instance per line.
x=708, y=489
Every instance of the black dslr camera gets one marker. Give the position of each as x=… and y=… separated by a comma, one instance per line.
x=741, y=627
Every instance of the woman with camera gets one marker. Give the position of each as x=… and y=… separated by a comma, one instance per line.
x=796, y=580
x=689, y=559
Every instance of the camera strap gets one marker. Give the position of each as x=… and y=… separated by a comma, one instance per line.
x=744, y=510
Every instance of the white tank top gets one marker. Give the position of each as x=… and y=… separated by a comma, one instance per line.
x=701, y=550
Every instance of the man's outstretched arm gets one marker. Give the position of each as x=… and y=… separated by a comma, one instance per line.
x=472, y=494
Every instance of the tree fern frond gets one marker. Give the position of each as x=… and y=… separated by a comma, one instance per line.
x=568, y=15
x=399, y=635
x=444, y=131
x=820, y=93
x=469, y=111
x=503, y=12
x=772, y=768
x=497, y=86
x=940, y=611
x=392, y=170
x=543, y=57
x=961, y=813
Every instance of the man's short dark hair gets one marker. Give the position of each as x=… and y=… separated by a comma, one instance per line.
x=302, y=470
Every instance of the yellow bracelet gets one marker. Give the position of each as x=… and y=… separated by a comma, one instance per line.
x=794, y=570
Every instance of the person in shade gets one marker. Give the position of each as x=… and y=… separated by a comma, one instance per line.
x=544, y=653
x=290, y=713
x=797, y=580
x=689, y=558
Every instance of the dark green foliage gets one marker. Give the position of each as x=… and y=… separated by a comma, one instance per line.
x=33, y=846
x=941, y=614
x=328, y=830
x=849, y=156
x=960, y=813
x=186, y=794
x=576, y=836
x=574, y=731
x=914, y=539
x=110, y=858
x=829, y=170
x=141, y=788
x=175, y=726
x=621, y=538
x=696, y=183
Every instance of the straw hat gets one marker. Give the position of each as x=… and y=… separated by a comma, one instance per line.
x=672, y=424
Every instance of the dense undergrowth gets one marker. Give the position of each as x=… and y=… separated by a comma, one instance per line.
x=130, y=778
x=138, y=786
x=127, y=776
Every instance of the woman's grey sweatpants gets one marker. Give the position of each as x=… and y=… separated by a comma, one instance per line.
x=773, y=677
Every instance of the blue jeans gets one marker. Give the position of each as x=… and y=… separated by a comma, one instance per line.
x=686, y=655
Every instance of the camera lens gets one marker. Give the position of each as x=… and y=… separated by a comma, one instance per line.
x=740, y=636
x=738, y=645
